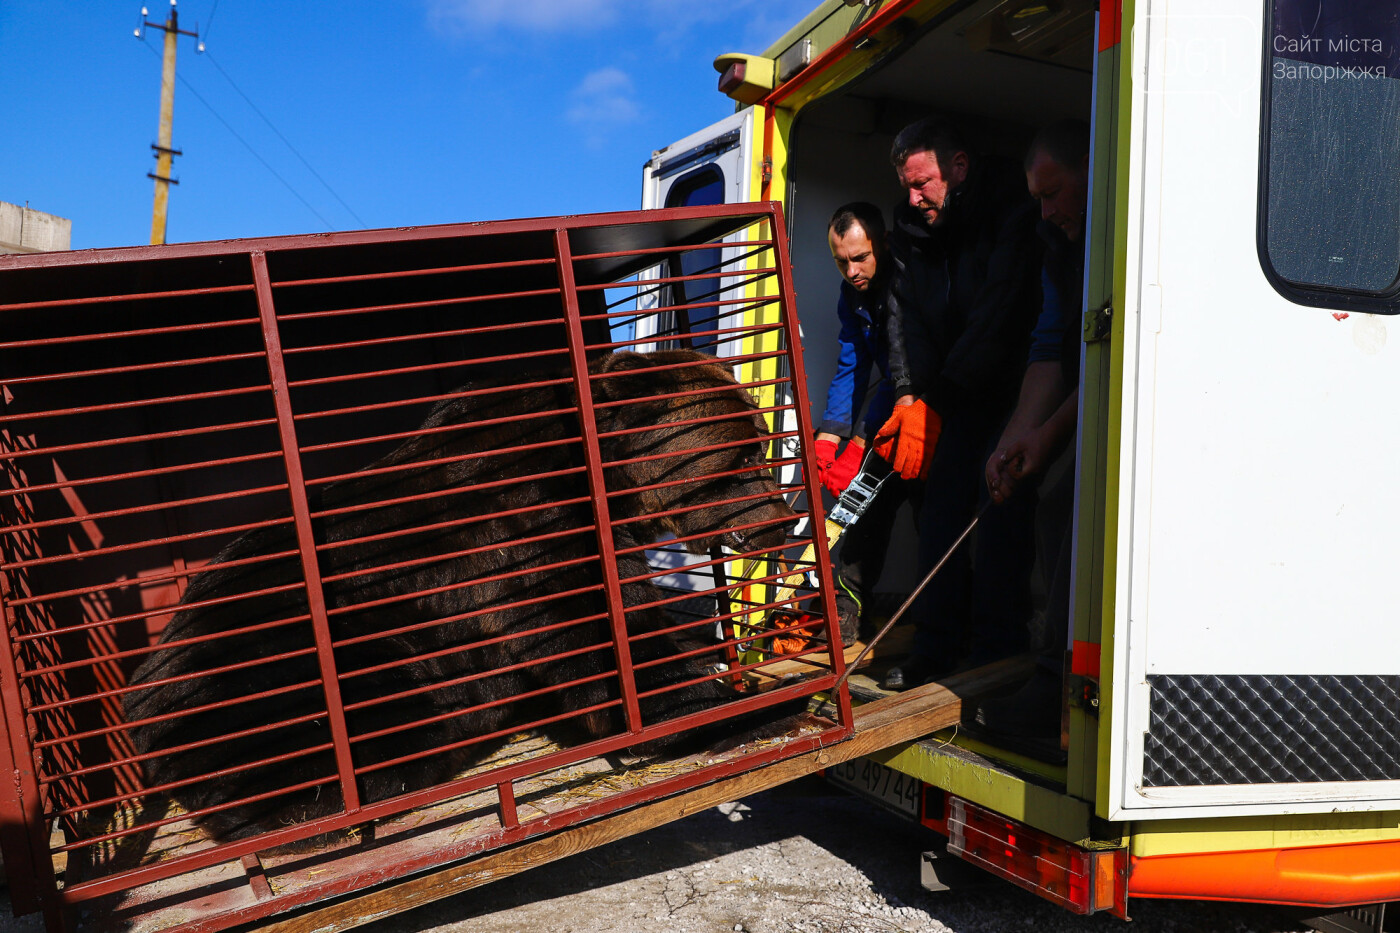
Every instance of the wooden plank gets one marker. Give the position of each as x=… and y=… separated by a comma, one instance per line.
x=878, y=725
x=770, y=672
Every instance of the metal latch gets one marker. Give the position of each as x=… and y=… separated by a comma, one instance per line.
x=1098, y=324
x=1084, y=693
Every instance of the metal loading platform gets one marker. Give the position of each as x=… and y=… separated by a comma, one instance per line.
x=328, y=560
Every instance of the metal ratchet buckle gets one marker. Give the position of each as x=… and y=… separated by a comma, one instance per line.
x=857, y=497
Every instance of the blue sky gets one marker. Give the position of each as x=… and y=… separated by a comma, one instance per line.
x=407, y=111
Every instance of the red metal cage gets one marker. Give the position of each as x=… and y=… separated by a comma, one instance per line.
x=328, y=559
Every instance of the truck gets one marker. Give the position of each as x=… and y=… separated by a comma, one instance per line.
x=1229, y=722
x=1229, y=715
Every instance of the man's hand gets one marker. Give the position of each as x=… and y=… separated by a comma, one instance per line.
x=840, y=474
x=908, y=440
x=833, y=471
x=1002, y=474
x=1014, y=460
x=1024, y=450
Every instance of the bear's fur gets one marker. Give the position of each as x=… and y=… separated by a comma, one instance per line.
x=418, y=640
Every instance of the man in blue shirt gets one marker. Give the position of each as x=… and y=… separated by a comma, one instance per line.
x=1042, y=427
x=856, y=236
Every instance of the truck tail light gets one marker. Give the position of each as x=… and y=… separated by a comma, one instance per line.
x=1081, y=880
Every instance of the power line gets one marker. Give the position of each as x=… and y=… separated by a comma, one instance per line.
x=284, y=139
x=209, y=23
x=247, y=145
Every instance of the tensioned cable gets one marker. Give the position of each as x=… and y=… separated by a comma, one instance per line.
x=209, y=24
x=285, y=141
x=267, y=165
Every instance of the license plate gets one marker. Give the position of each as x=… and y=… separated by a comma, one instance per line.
x=874, y=781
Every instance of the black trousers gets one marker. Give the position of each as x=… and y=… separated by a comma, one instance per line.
x=977, y=608
x=860, y=559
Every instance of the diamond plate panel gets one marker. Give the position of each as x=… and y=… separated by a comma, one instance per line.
x=1208, y=729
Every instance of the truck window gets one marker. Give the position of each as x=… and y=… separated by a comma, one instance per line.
x=704, y=185
x=1331, y=151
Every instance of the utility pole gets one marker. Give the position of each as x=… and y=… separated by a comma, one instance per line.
x=165, y=155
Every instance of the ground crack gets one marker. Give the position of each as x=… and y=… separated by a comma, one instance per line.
x=690, y=895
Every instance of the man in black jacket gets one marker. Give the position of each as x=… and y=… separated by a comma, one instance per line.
x=963, y=298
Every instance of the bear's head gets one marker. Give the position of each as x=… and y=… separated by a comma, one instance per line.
x=678, y=428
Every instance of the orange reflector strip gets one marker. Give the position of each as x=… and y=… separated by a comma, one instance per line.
x=1316, y=876
x=1110, y=891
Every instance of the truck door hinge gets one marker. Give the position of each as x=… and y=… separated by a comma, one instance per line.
x=767, y=169
x=1098, y=324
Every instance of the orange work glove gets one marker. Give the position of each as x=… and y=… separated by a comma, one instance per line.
x=909, y=439
x=884, y=439
x=839, y=475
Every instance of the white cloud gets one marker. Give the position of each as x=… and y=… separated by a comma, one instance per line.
x=476, y=16
x=604, y=100
x=669, y=19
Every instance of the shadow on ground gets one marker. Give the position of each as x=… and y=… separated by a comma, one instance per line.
x=633, y=882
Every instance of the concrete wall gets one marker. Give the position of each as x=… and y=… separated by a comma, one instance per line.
x=23, y=230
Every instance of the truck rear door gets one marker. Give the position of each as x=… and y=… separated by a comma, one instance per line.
x=724, y=316
x=1252, y=667
x=711, y=166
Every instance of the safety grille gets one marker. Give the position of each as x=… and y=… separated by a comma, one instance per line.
x=1271, y=729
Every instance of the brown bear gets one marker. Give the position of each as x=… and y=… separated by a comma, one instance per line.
x=488, y=600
